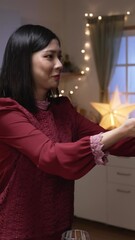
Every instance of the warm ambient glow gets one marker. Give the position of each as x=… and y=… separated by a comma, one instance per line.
x=114, y=113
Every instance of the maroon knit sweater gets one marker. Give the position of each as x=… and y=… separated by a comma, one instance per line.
x=37, y=176
x=35, y=204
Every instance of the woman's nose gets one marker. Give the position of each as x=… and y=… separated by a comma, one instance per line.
x=58, y=64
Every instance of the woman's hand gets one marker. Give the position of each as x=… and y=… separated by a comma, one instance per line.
x=113, y=136
x=128, y=128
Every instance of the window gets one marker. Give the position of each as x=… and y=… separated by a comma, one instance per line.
x=123, y=76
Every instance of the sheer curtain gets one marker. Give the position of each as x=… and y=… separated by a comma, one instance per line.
x=105, y=36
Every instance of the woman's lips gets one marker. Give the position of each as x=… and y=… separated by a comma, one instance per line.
x=57, y=77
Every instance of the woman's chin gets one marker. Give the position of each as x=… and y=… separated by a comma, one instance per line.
x=55, y=85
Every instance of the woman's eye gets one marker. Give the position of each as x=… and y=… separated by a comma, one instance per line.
x=52, y=57
x=49, y=57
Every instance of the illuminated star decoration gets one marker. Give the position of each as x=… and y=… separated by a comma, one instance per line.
x=114, y=113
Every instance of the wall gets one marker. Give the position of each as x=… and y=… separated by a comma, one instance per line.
x=66, y=18
x=14, y=13
x=6, y=28
x=46, y=12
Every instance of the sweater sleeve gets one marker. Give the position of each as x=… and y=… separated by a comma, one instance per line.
x=68, y=160
x=125, y=147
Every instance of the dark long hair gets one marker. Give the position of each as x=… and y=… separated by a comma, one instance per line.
x=16, y=73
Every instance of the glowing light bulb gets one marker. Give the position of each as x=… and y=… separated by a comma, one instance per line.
x=86, y=14
x=87, y=32
x=62, y=91
x=76, y=87
x=87, y=24
x=82, y=72
x=128, y=12
x=79, y=79
x=87, y=69
x=91, y=14
x=87, y=45
x=71, y=92
x=99, y=17
x=82, y=51
x=86, y=57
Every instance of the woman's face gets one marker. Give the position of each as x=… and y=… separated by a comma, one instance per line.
x=46, y=69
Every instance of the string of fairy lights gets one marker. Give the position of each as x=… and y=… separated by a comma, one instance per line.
x=80, y=75
x=86, y=53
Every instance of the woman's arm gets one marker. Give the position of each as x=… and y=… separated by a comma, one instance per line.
x=69, y=160
x=111, y=137
x=119, y=142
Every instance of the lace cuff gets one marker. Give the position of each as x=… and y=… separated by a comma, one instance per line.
x=96, y=147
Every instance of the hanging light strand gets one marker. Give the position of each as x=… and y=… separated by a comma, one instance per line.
x=85, y=51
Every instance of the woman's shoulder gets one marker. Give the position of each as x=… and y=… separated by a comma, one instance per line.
x=6, y=103
x=9, y=105
x=11, y=109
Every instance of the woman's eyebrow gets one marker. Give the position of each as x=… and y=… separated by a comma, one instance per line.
x=52, y=51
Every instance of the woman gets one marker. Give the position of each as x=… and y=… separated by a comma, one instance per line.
x=44, y=143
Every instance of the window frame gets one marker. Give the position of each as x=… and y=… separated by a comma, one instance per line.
x=128, y=31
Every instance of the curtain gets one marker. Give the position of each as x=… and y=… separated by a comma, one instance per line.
x=105, y=36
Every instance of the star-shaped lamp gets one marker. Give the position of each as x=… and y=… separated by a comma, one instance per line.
x=114, y=113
